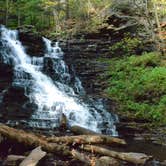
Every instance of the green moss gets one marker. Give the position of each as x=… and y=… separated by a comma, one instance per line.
x=138, y=84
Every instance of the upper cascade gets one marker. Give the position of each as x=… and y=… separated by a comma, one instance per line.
x=54, y=94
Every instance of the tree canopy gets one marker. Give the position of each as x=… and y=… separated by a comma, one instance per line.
x=50, y=14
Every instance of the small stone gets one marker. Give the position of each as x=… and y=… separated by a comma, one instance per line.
x=163, y=163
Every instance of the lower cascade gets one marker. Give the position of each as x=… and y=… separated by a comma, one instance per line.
x=53, y=95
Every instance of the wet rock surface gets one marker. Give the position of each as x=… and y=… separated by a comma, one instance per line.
x=15, y=105
x=6, y=75
x=33, y=43
x=84, y=56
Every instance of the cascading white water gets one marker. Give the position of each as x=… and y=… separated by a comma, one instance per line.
x=52, y=96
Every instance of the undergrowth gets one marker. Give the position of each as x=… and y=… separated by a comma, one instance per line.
x=138, y=85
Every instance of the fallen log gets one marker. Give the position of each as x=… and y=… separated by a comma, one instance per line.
x=32, y=140
x=33, y=158
x=94, y=161
x=87, y=139
x=136, y=158
x=82, y=131
x=81, y=157
x=106, y=161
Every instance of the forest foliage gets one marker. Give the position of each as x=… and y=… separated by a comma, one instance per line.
x=70, y=16
x=55, y=16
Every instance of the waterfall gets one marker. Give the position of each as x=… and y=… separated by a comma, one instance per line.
x=54, y=95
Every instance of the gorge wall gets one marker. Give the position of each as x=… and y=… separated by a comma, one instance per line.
x=83, y=55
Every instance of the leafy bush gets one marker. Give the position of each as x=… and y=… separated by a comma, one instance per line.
x=138, y=84
x=126, y=46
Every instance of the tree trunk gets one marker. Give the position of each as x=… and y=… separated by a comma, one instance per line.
x=18, y=18
x=32, y=140
x=81, y=157
x=7, y=12
x=67, y=10
x=88, y=139
x=94, y=161
x=105, y=161
x=161, y=45
x=156, y=17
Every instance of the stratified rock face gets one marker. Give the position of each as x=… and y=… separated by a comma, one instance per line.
x=85, y=52
x=16, y=105
x=33, y=43
x=84, y=57
x=6, y=75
